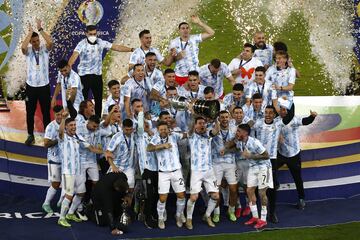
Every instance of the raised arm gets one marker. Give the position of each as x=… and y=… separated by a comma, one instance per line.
x=25, y=43
x=209, y=32
x=45, y=35
x=50, y=143
x=121, y=48
x=62, y=125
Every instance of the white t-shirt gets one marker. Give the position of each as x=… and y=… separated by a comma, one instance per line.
x=248, y=69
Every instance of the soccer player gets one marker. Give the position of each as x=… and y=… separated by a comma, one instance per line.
x=213, y=73
x=54, y=160
x=256, y=110
x=260, y=86
x=260, y=174
x=194, y=89
x=120, y=154
x=148, y=168
x=185, y=48
x=243, y=66
x=263, y=51
x=152, y=74
x=166, y=150
x=69, y=145
x=202, y=171
x=282, y=76
x=224, y=164
x=37, y=80
x=68, y=82
x=86, y=110
x=234, y=99
x=137, y=87
x=90, y=50
x=289, y=146
x=113, y=98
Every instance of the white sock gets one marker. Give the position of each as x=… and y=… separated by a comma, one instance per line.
x=254, y=211
x=75, y=204
x=161, y=209
x=263, y=213
x=180, y=205
x=190, y=209
x=238, y=202
x=217, y=210
x=225, y=194
x=49, y=195
x=211, y=207
x=62, y=196
x=64, y=207
x=231, y=209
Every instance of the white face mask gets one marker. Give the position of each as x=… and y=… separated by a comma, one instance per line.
x=92, y=39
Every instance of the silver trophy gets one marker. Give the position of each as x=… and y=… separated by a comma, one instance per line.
x=205, y=108
x=125, y=218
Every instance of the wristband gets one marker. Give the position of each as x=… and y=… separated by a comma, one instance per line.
x=40, y=29
x=132, y=49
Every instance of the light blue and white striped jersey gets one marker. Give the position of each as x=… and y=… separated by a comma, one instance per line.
x=52, y=133
x=290, y=132
x=111, y=101
x=253, y=146
x=200, y=152
x=161, y=88
x=233, y=125
x=69, y=153
x=37, y=74
x=268, y=135
x=138, y=89
x=190, y=94
x=168, y=159
x=71, y=81
x=252, y=114
x=229, y=100
x=282, y=77
x=147, y=160
x=155, y=76
x=218, y=144
x=91, y=56
x=264, y=90
x=190, y=61
x=265, y=55
x=91, y=137
x=138, y=56
x=123, y=149
x=214, y=80
x=80, y=120
x=106, y=133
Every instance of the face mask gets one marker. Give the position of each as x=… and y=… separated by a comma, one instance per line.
x=92, y=39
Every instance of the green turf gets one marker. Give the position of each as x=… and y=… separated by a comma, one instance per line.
x=227, y=44
x=349, y=231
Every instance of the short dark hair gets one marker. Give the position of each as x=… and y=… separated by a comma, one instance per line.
x=260, y=69
x=137, y=65
x=280, y=46
x=62, y=63
x=111, y=107
x=135, y=100
x=95, y=119
x=162, y=123
x=271, y=107
x=163, y=113
x=194, y=73
x=238, y=87
x=143, y=32
x=182, y=23
x=237, y=107
x=245, y=127
x=256, y=96
x=113, y=83
x=169, y=70
x=150, y=54
x=68, y=120
x=282, y=53
x=90, y=28
x=57, y=108
x=127, y=123
x=215, y=63
x=208, y=90
x=199, y=118
x=171, y=88
x=34, y=34
x=223, y=112
x=249, y=45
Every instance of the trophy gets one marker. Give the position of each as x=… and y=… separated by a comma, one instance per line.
x=205, y=108
x=124, y=218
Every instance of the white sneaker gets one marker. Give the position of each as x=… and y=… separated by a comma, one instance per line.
x=183, y=218
x=179, y=222
x=165, y=216
x=82, y=215
x=161, y=224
